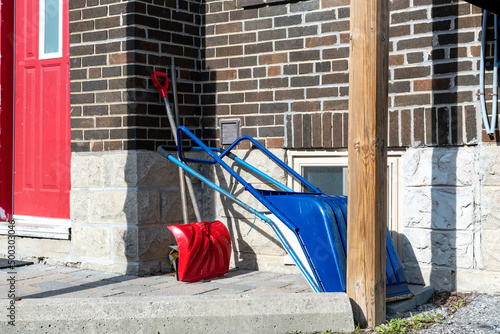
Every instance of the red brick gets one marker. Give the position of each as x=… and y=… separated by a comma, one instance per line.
x=274, y=58
x=431, y=84
x=312, y=42
x=275, y=142
x=273, y=71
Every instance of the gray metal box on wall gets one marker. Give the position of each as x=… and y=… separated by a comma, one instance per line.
x=230, y=130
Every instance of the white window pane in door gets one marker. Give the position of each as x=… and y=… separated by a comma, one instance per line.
x=50, y=29
x=51, y=26
x=332, y=180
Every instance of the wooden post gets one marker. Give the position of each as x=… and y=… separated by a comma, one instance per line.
x=367, y=180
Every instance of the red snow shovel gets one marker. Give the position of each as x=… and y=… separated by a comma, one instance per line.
x=204, y=250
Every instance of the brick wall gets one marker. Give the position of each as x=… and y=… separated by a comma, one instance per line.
x=114, y=47
x=283, y=70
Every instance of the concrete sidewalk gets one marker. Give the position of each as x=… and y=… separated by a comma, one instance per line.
x=62, y=299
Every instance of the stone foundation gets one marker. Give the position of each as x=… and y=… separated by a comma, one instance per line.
x=122, y=203
x=451, y=217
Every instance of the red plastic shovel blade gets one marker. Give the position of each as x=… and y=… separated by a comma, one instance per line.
x=204, y=250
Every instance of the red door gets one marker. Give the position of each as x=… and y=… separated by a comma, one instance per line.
x=42, y=111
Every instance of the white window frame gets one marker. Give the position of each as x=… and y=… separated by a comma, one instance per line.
x=395, y=182
x=41, y=33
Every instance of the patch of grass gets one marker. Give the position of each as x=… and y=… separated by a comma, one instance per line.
x=397, y=325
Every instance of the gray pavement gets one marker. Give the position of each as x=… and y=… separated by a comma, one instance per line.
x=55, y=299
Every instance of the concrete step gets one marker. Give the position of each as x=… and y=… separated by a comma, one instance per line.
x=278, y=313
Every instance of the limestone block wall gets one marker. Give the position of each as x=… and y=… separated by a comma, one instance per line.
x=121, y=204
x=451, y=225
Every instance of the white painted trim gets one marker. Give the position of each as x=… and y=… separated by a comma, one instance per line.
x=41, y=32
x=39, y=227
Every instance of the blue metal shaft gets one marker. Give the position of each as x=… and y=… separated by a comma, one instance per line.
x=258, y=172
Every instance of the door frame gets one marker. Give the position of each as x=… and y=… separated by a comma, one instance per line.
x=7, y=108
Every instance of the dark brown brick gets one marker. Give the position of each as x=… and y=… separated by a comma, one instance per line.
x=92, y=13
x=320, y=92
x=412, y=100
x=82, y=123
x=411, y=72
x=81, y=26
x=414, y=43
x=108, y=97
x=290, y=20
x=76, y=134
x=452, y=67
x=82, y=98
x=306, y=131
x=229, y=51
x=290, y=44
x=289, y=94
x=94, y=85
x=326, y=124
x=452, y=98
x=244, y=85
x=336, y=139
x=95, y=110
x=268, y=108
x=430, y=126
x=242, y=38
x=393, y=128
x=456, y=126
x=297, y=130
x=316, y=128
x=274, y=34
x=259, y=120
x=95, y=36
x=335, y=26
x=336, y=53
x=470, y=124
x=271, y=131
x=273, y=83
x=75, y=87
x=80, y=147
x=406, y=133
x=336, y=105
x=95, y=134
x=243, y=61
x=418, y=127
x=407, y=16
x=335, y=78
x=78, y=74
x=231, y=98
x=306, y=106
x=109, y=22
x=81, y=50
x=304, y=81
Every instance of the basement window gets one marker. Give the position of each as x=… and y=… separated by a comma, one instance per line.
x=328, y=171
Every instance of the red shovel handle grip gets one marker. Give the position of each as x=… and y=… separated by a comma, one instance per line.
x=161, y=89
